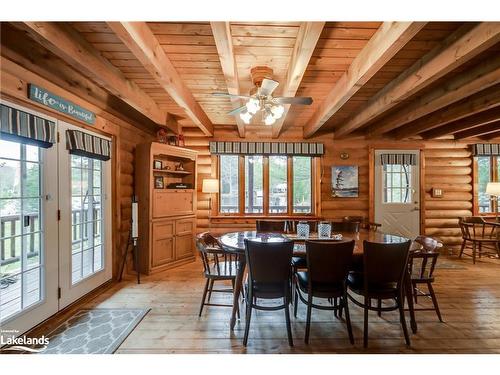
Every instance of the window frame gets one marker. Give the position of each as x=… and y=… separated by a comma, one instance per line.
x=494, y=177
x=266, y=187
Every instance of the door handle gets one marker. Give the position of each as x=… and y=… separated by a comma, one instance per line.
x=416, y=209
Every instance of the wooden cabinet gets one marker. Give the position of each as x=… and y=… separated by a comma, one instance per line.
x=167, y=205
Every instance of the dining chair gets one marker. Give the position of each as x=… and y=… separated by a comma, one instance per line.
x=422, y=264
x=364, y=223
x=345, y=226
x=328, y=266
x=383, y=277
x=478, y=235
x=270, y=226
x=218, y=265
x=269, y=275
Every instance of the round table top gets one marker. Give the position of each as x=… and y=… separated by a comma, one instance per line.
x=235, y=241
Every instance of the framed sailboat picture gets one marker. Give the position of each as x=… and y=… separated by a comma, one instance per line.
x=345, y=181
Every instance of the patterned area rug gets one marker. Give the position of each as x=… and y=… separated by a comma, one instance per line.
x=94, y=331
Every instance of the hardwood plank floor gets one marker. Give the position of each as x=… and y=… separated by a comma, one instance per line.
x=469, y=298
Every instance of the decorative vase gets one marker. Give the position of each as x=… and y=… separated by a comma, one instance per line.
x=324, y=229
x=303, y=229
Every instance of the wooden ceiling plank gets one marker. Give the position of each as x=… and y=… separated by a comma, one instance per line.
x=477, y=103
x=305, y=43
x=457, y=49
x=385, y=43
x=70, y=46
x=491, y=136
x=457, y=88
x=470, y=122
x=223, y=41
x=141, y=41
x=479, y=131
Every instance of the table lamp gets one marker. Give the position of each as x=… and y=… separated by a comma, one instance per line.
x=210, y=186
x=493, y=189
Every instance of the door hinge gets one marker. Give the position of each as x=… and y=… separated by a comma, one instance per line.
x=59, y=293
x=58, y=137
x=58, y=215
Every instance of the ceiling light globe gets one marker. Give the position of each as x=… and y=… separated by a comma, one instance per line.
x=277, y=111
x=253, y=105
x=246, y=117
x=269, y=119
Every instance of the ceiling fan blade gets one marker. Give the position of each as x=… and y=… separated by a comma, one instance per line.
x=303, y=100
x=236, y=110
x=268, y=86
x=230, y=95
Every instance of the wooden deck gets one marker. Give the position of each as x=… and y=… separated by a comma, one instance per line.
x=469, y=297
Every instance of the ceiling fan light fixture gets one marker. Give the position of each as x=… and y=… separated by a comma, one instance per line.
x=277, y=111
x=246, y=117
x=269, y=119
x=253, y=106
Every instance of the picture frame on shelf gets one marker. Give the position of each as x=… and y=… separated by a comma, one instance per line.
x=159, y=182
x=157, y=164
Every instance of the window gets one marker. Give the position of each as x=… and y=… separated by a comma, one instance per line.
x=302, y=185
x=266, y=185
x=21, y=245
x=229, y=184
x=397, y=183
x=488, y=170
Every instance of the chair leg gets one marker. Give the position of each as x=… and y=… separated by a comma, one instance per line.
x=402, y=319
x=288, y=325
x=474, y=252
x=345, y=305
x=210, y=289
x=247, y=320
x=415, y=293
x=203, y=298
x=379, y=307
x=462, y=249
x=308, y=320
x=335, y=312
x=434, y=300
x=296, y=304
x=238, y=307
x=365, y=328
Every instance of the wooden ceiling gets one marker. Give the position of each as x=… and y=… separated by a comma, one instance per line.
x=371, y=79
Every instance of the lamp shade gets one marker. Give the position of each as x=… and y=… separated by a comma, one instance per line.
x=493, y=188
x=210, y=185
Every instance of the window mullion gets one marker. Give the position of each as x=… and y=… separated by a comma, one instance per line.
x=241, y=186
x=265, y=177
x=290, y=185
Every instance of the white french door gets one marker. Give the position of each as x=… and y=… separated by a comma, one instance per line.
x=55, y=228
x=28, y=234
x=85, y=225
x=397, y=194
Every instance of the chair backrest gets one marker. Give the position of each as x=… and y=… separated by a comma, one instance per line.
x=209, y=250
x=474, y=226
x=270, y=226
x=427, y=263
x=346, y=226
x=269, y=262
x=428, y=244
x=363, y=222
x=328, y=262
x=385, y=262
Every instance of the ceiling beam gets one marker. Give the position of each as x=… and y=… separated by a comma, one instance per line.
x=457, y=88
x=384, y=44
x=482, y=118
x=144, y=45
x=305, y=43
x=457, y=49
x=69, y=45
x=479, y=131
x=491, y=135
x=224, y=43
x=482, y=101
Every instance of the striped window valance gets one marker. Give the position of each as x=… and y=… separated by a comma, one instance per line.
x=24, y=127
x=267, y=148
x=401, y=159
x=84, y=144
x=486, y=149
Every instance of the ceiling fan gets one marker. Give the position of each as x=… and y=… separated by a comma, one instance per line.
x=261, y=98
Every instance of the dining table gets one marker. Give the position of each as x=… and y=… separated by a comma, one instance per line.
x=234, y=242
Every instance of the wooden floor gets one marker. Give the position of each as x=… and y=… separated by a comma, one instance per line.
x=469, y=298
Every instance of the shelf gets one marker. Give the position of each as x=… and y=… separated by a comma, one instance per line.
x=167, y=171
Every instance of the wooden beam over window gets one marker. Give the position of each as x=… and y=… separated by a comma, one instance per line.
x=385, y=43
x=141, y=41
x=469, y=122
x=482, y=101
x=307, y=38
x=224, y=43
x=457, y=49
x=457, y=88
x=70, y=46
